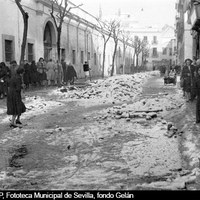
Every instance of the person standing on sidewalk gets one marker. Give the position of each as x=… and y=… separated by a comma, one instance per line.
x=50, y=72
x=86, y=70
x=41, y=68
x=188, y=79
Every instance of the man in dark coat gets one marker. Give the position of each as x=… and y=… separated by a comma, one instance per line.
x=86, y=70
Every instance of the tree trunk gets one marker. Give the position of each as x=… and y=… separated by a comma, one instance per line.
x=113, y=59
x=142, y=63
x=25, y=19
x=58, y=42
x=23, y=46
x=137, y=61
x=103, y=62
x=124, y=59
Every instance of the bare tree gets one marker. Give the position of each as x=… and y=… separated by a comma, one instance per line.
x=145, y=52
x=62, y=10
x=137, y=44
x=116, y=31
x=106, y=33
x=24, y=39
x=125, y=39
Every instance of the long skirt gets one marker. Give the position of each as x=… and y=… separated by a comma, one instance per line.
x=187, y=84
x=15, y=106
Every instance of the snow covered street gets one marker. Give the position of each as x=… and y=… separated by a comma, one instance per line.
x=123, y=132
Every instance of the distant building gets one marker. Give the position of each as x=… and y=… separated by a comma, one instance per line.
x=161, y=42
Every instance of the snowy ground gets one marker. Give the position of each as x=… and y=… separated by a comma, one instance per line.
x=111, y=135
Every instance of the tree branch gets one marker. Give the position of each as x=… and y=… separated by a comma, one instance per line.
x=52, y=14
x=74, y=7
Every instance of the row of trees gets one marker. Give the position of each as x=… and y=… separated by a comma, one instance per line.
x=113, y=29
x=108, y=29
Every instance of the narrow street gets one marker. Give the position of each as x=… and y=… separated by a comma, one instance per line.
x=149, y=143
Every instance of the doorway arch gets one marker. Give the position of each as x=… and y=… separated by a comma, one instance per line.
x=49, y=40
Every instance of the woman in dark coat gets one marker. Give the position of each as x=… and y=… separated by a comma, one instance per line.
x=15, y=106
x=187, y=75
x=34, y=76
x=70, y=74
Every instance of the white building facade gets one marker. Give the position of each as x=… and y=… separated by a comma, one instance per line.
x=80, y=40
x=161, y=42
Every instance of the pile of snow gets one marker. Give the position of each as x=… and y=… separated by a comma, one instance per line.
x=116, y=88
x=145, y=108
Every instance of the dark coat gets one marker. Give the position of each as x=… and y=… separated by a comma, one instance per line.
x=86, y=67
x=70, y=73
x=34, y=75
x=188, y=77
x=15, y=106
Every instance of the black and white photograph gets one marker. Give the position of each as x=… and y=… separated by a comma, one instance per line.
x=99, y=98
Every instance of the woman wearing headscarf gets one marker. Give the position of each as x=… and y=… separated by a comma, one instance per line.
x=41, y=68
x=15, y=106
x=187, y=75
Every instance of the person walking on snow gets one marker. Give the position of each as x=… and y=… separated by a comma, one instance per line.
x=15, y=106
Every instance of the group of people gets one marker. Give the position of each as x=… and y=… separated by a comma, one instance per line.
x=17, y=77
x=190, y=83
x=5, y=74
x=38, y=74
x=49, y=73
